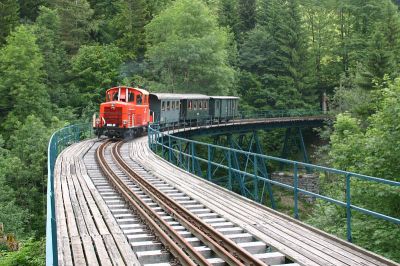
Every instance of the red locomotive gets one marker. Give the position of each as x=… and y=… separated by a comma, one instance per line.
x=125, y=113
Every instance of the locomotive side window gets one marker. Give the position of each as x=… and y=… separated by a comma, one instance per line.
x=131, y=97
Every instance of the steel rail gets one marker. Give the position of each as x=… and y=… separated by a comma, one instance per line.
x=169, y=237
x=222, y=246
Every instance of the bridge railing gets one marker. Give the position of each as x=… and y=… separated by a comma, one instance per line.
x=279, y=113
x=240, y=117
x=181, y=151
x=57, y=143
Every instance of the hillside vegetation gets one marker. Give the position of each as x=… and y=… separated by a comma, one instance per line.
x=58, y=57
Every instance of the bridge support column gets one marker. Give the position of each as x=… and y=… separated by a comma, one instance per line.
x=289, y=139
x=251, y=187
x=236, y=165
x=264, y=171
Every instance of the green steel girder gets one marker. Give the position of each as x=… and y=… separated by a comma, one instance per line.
x=257, y=125
x=294, y=136
x=251, y=188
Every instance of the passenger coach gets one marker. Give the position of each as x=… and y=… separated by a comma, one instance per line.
x=127, y=111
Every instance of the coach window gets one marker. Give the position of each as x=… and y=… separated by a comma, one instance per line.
x=200, y=105
x=168, y=105
x=205, y=104
x=162, y=106
x=190, y=104
x=172, y=105
x=194, y=105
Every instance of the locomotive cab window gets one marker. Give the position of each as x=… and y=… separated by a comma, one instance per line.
x=139, y=99
x=115, y=98
x=131, y=97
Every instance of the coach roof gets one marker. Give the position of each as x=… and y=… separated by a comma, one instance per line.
x=179, y=96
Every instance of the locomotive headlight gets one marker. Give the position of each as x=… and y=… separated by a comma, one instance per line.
x=125, y=122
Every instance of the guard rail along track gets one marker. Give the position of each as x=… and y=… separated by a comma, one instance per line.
x=181, y=249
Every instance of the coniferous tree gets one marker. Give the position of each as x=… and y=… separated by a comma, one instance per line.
x=247, y=15
x=29, y=9
x=76, y=22
x=9, y=18
x=104, y=12
x=321, y=40
x=47, y=31
x=281, y=59
x=228, y=15
x=129, y=22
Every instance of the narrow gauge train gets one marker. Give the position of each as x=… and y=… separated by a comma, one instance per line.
x=128, y=111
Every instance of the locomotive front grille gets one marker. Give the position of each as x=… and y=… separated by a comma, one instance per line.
x=113, y=116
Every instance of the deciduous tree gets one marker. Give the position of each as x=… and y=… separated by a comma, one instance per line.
x=21, y=79
x=187, y=50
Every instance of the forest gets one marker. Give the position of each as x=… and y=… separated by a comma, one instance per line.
x=58, y=57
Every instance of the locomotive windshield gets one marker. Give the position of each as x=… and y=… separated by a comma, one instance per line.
x=115, y=98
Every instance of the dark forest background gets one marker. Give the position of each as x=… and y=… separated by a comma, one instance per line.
x=58, y=57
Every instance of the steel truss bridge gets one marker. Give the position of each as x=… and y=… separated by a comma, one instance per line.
x=195, y=194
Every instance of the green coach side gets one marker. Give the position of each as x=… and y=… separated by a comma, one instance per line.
x=223, y=107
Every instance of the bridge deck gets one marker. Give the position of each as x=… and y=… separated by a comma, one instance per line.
x=88, y=234
x=302, y=243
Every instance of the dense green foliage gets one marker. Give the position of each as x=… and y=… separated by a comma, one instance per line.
x=30, y=254
x=58, y=57
x=187, y=50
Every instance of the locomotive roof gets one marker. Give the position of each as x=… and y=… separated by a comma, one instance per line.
x=225, y=97
x=144, y=92
x=180, y=96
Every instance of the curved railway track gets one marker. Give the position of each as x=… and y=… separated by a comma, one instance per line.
x=133, y=188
